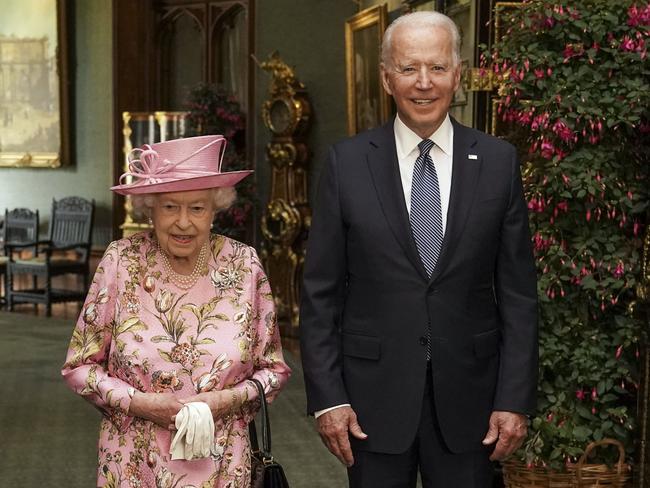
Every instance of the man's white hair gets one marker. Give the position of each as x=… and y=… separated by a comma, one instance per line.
x=421, y=19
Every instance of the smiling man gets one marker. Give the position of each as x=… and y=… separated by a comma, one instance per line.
x=419, y=309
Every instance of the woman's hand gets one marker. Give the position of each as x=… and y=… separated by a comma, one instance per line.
x=160, y=408
x=222, y=403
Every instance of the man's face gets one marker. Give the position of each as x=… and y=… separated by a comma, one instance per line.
x=421, y=76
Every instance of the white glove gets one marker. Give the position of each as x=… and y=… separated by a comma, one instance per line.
x=195, y=432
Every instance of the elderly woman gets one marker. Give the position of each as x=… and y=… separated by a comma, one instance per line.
x=176, y=317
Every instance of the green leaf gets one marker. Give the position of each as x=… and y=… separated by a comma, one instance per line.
x=165, y=355
x=581, y=433
x=161, y=338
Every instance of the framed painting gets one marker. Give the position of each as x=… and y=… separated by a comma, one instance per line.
x=368, y=103
x=415, y=5
x=34, y=84
x=503, y=12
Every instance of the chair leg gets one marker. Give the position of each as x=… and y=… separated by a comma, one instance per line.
x=9, y=291
x=48, y=295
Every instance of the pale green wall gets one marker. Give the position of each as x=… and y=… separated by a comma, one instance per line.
x=90, y=176
x=310, y=37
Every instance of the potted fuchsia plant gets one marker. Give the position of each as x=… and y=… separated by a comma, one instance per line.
x=574, y=89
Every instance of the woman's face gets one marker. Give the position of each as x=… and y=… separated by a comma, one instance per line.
x=182, y=222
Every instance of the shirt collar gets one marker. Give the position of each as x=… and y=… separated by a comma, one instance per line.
x=407, y=141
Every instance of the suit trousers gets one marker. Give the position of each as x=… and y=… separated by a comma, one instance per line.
x=438, y=467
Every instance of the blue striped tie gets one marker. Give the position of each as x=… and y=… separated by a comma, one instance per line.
x=426, y=213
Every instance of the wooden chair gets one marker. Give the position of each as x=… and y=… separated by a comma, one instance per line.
x=67, y=251
x=20, y=225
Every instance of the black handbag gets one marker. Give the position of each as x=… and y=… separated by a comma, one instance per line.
x=265, y=471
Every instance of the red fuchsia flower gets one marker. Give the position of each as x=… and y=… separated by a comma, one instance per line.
x=638, y=16
x=539, y=73
x=571, y=50
x=549, y=22
x=627, y=44
x=563, y=206
x=525, y=117
x=562, y=131
x=547, y=149
x=540, y=121
x=594, y=393
x=619, y=351
x=620, y=270
x=575, y=14
x=549, y=417
x=580, y=394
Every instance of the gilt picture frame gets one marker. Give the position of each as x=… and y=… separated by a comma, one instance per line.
x=367, y=102
x=35, y=84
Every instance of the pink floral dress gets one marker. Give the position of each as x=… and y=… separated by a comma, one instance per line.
x=139, y=330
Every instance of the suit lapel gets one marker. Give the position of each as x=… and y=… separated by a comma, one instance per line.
x=464, y=177
x=384, y=168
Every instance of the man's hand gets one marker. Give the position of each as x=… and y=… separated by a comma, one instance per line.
x=509, y=429
x=333, y=427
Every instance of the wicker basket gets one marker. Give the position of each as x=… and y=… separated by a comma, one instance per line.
x=578, y=475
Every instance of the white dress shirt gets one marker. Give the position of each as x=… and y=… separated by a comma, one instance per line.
x=406, y=142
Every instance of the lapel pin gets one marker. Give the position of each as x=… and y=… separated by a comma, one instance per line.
x=472, y=156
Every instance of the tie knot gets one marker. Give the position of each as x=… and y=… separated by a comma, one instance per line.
x=425, y=146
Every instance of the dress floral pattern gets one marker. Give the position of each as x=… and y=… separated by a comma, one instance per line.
x=138, y=330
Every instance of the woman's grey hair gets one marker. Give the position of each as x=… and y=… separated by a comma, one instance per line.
x=421, y=19
x=222, y=198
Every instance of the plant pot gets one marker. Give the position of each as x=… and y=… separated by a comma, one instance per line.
x=579, y=475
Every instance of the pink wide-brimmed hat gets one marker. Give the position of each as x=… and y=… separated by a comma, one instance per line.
x=187, y=164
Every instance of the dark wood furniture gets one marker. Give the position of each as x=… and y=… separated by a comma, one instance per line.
x=20, y=226
x=66, y=251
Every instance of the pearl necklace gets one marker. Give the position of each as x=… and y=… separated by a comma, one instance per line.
x=185, y=282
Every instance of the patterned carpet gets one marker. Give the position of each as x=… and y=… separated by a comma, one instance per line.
x=48, y=435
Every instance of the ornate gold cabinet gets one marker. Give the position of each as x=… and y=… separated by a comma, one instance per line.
x=286, y=219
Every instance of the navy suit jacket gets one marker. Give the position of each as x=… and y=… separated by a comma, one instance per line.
x=367, y=302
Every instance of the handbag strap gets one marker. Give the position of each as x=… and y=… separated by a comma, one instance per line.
x=266, y=424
